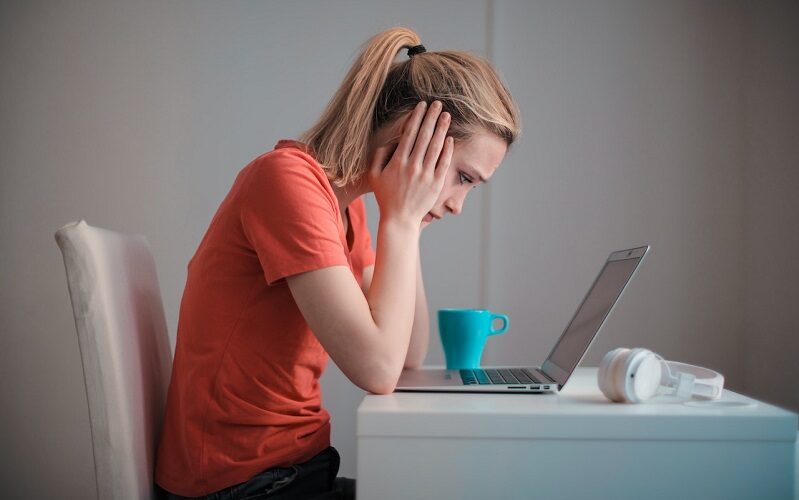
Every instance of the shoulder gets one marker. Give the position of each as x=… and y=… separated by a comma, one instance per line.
x=287, y=170
x=286, y=160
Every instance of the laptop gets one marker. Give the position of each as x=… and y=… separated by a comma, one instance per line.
x=564, y=357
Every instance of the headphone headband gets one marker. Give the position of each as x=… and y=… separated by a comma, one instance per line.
x=707, y=383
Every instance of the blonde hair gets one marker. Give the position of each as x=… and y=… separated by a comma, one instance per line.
x=377, y=90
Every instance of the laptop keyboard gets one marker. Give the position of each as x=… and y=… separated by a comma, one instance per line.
x=498, y=376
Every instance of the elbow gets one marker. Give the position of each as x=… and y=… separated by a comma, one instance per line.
x=384, y=384
x=382, y=381
x=382, y=390
x=380, y=386
x=378, y=370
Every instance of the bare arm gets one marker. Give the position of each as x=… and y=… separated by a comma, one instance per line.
x=420, y=332
x=368, y=334
x=420, y=336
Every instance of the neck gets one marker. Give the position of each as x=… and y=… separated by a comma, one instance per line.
x=347, y=194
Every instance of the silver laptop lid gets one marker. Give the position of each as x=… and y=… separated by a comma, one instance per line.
x=592, y=313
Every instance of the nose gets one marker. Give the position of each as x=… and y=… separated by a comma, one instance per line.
x=455, y=203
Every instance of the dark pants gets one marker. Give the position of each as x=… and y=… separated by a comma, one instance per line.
x=312, y=480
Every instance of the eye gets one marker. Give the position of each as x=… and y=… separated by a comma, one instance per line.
x=464, y=178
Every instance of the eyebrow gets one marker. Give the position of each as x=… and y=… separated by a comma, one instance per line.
x=471, y=172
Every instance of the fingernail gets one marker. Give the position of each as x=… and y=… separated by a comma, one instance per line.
x=437, y=104
x=421, y=104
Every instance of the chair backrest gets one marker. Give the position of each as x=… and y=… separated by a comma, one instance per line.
x=125, y=352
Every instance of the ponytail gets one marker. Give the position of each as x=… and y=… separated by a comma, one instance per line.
x=377, y=90
x=340, y=138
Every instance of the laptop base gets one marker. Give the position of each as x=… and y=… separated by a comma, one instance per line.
x=441, y=380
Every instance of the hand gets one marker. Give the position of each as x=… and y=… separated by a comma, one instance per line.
x=411, y=181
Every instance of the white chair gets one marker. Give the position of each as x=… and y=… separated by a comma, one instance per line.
x=125, y=353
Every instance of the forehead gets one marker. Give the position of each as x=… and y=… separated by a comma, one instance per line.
x=483, y=152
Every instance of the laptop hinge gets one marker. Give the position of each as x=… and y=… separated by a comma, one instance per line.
x=545, y=375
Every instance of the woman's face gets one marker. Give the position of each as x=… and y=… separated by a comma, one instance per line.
x=473, y=163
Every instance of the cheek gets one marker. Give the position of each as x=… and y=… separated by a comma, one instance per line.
x=450, y=186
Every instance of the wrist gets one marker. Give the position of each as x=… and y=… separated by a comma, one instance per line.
x=400, y=224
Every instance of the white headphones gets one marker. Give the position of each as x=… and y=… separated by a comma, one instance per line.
x=635, y=375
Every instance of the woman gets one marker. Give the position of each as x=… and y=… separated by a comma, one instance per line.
x=285, y=276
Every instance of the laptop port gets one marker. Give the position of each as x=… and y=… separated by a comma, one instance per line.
x=515, y=387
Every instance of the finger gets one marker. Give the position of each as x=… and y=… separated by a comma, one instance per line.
x=409, y=133
x=437, y=142
x=444, y=161
x=425, y=134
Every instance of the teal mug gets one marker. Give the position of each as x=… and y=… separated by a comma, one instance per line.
x=464, y=333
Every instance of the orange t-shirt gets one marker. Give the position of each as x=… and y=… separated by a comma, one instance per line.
x=244, y=394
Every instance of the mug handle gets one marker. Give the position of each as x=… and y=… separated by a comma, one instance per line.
x=505, y=323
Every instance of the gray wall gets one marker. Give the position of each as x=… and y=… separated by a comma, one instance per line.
x=770, y=334
x=667, y=123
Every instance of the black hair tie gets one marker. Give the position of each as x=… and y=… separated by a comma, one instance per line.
x=416, y=50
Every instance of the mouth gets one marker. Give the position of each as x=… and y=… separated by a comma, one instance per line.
x=430, y=216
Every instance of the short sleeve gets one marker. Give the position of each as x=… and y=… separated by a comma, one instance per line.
x=290, y=217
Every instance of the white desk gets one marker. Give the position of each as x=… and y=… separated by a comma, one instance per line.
x=573, y=445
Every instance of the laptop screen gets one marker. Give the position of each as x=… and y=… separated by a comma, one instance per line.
x=591, y=315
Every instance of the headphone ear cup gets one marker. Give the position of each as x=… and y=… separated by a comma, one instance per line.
x=641, y=375
x=606, y=377
x=648, y=377
x=618, y=375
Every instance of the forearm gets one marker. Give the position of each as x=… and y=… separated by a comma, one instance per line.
x=392, y=294
x=420, y=333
